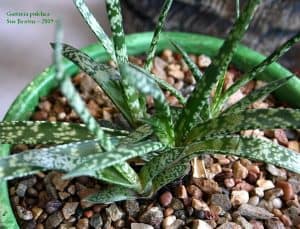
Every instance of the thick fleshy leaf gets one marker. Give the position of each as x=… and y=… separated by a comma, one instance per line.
x=252, y=148
x=43, y=132
x=134, y=100
x=106, y=77
x=120, y=154
x=192, y=66
x=245, y=120
x=137, y=135
x=197, y=106
x=62, y=157
x=146, y=85
x=170, y=174
x=95, y=27
x=154, y=42
x=256, y=95
x=112, y=194
x=157, y=165
x=237, y=8
x=278, y=52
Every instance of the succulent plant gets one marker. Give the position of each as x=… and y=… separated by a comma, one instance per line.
x=166, y=140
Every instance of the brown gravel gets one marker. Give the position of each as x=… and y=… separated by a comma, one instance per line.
x=221, y=191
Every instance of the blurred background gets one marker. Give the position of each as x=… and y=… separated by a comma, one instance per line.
x=26, y=52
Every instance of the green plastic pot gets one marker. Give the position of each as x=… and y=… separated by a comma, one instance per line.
x=244, y=58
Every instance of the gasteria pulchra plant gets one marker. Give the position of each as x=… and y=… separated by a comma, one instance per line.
x=166, y=140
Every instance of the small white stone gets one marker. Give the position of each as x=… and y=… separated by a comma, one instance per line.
x=277, y=203
x=265, y=184
x=200, y=224
x=141, y=226
x=239, y=197
x=259, y=191
x=168, y=221
x=254, y=200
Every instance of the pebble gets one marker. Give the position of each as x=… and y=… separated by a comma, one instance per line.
x=277, y=203
x=181, y=192
x=239, y=171
x=166, y=198
x=199, y=205
x=239, y=197
x=294, y=145
x=177, y=224
x=176, y=204
x=69, y=209
x=180, y=214
x=168, y=221
x=254, y=212
x=294, y=214
x=63, y=195
x=194, y=191
x=140, y=226
x=256, y=224
x=281, y=173
x=53, y=206
x=132, y=207
x=259, y=191
x=273, y=193
x=83, y=223
x=54, y=220
x=274, y=224
x=229, y=225
x=281, y=137
x=96, y=221
x=88, y=213
x=221, y=200
x=265, y=184
x=59, y=183
x=294, y=180
x=152, y=216
x=286, y=220
x=114, y=212
x=243, y=222
x=24, y=213
x=36, y=212
x=207, y=185
x=254, y=200
x=203, y=61
x=21, y=190
x=200, y=224
x=229, y=182
x=168, y=212
x=287, y=189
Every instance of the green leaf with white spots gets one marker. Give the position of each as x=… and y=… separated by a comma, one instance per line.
x=163, y=127
x=120, y=154
x=154, y=42
x=107, y=77
x=62, y=157
x=157, y=165
x=112, y=194
x=76, y=102
x=245, y=120
x=190, y=63
x=257, y=95
x=135, y=101
x=197, y=107
x=95, y=27
x=170, y=174
x=137, y=135
x=248, y=147
x=43, y=132
x=245, y=78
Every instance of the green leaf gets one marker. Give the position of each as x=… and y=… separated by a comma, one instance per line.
x=95, y=27
x=256, y=95
x=43, y=132
x=252, y=148
x=154, y=42
x=277, y=53
x=107, y=77
x=192, y=66
x=163, y=127
x=112, y=194
x=157, y=165
x=137, y=135
x=237, y=8
x=197, y=107
x=169, y=175
x=120, y=154
x=245, y=120
x=135, y=101
x=62, y=157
